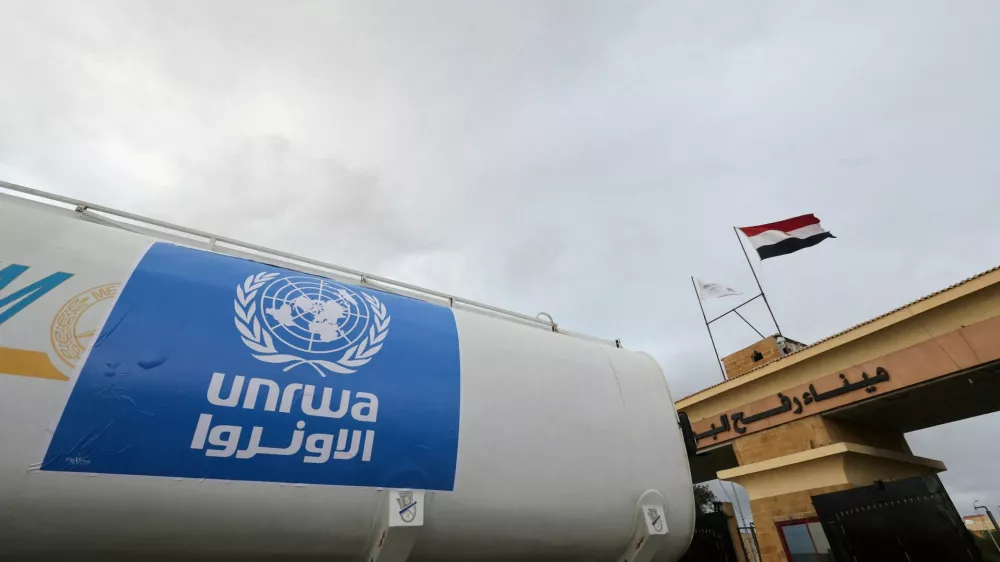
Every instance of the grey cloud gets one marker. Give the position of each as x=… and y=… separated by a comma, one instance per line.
x=582, y=158
x=971, y=465
x=317, y=206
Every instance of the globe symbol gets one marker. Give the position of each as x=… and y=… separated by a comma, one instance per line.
x=314, y=315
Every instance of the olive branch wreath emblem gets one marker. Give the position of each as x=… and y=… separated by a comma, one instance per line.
x=262, y=343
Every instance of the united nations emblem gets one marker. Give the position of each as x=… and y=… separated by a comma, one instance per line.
x=304, y=320
x=75, y=323
x=407, y=507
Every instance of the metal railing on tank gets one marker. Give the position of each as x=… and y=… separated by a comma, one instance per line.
x=223, y=244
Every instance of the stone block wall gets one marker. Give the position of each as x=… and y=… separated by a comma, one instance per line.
x=810, y=433
x=740, y=363
x=795, y=437
x=776, y=509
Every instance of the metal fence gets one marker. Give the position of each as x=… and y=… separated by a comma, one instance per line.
x=751, y=548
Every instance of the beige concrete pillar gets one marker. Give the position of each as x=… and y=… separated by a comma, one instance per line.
x=734, y=531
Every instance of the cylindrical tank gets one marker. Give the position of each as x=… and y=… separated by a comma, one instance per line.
x=320, y=394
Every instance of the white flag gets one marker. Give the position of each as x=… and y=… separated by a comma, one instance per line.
x=714, y=290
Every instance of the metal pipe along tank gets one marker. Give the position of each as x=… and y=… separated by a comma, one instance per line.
x=162, y=396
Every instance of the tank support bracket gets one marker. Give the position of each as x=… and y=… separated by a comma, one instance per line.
x=650, y=528
x=398, y=526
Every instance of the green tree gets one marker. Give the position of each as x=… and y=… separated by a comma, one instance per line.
x=703, y=498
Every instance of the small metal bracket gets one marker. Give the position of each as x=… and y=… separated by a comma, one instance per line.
x=398, y=526
x=81, y=208
x=552, y=322
x=650, y=528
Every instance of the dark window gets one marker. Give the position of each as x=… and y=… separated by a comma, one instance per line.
x=805, y=541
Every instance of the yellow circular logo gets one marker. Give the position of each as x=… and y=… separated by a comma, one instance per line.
x=74, y=325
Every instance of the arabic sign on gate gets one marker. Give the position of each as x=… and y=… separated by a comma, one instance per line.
x=939, y=355
x=737, y=421
x=211, y=366
x=786, y=406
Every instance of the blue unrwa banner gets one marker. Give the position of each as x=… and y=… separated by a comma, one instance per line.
x=211, y=366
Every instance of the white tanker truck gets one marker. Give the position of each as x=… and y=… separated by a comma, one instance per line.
x=168, y=394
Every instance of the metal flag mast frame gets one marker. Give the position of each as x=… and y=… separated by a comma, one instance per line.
x=708, y=323
x=760, y=295
x=759, y=288
x=718, y=360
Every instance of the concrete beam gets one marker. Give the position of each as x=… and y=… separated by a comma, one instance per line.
x=833, y=465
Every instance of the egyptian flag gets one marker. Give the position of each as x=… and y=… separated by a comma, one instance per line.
x=787, y=236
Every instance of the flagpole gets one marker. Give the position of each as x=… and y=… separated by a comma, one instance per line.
x=747, y=256
x=709, y=328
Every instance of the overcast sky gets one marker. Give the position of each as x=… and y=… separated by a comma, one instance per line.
x=579, y=158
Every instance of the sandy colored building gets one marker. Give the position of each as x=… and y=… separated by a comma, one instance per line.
x=793, y=422
x=979, y=524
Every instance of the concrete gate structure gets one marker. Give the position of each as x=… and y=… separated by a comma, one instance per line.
x=795, y=421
